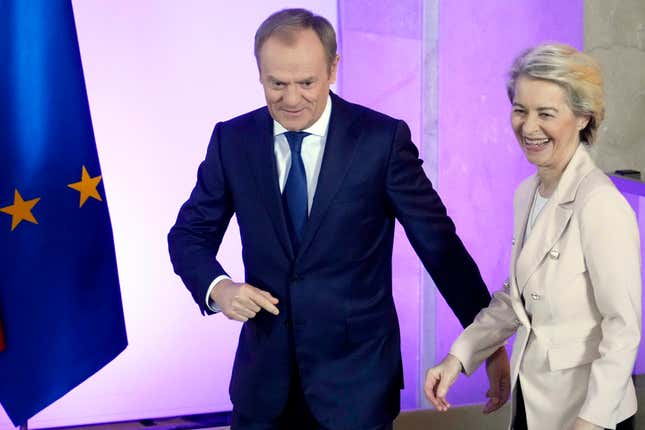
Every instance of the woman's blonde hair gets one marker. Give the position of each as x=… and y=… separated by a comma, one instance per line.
x=574, y=71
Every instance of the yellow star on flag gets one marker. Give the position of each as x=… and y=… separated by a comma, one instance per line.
x=20, y=210
x=87, y=187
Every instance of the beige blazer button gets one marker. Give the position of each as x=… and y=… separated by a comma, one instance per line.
x=554, y=254
x=535, y=296
x=513, y=241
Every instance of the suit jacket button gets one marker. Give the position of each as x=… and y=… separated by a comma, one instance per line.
x=513, y=241
x=535, y=296
x=554, y=254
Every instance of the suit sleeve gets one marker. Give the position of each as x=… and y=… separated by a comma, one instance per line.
x=610, y=243
x=195, y=238
x=430, y=230
x=490, y=330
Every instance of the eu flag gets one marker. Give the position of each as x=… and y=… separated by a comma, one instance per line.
x=60, y=301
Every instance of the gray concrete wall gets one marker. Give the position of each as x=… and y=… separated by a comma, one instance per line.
x=615, y=35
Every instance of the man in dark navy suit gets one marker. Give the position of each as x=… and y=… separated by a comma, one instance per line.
x=316, y=184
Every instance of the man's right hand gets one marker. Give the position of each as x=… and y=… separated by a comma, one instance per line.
x=242, y=302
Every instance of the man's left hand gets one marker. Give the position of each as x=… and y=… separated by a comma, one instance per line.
x=499, y=379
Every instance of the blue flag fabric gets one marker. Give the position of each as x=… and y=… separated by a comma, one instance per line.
x=60, y=301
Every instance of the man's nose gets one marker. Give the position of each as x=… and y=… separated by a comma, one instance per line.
x=292, y=95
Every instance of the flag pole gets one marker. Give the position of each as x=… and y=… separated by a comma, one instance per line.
x=23, y=427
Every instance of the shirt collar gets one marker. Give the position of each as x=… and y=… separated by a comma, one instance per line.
x=318, y=128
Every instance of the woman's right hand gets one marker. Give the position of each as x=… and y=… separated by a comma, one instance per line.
x=439, y=379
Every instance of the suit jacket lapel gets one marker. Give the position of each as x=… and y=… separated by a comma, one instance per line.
x=340, y=148
x=261, y=155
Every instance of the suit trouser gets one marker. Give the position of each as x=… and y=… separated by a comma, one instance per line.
x=295, y=416
x=519, y=421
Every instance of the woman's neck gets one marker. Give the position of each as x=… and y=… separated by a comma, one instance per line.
x=549, y=179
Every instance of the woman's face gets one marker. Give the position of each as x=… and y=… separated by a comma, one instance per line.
x=544, y=125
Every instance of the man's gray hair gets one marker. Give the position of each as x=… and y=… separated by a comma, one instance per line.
x=285, y=23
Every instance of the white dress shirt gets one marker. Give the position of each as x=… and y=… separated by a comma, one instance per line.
x=313, y=148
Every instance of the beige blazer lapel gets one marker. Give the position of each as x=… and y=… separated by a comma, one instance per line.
x=522, y=204
x=554, y=218
x=545, y=233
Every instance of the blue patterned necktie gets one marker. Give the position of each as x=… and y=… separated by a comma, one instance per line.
x=294, y=195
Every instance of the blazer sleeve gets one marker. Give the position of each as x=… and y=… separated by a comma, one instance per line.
x=490, y=330
x=430, y=230
x=611, y=247
x=195, y=238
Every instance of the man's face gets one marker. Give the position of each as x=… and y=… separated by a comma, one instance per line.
x=296, y=78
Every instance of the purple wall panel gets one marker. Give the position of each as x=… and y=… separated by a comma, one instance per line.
x=381, y=68
x=479, y=163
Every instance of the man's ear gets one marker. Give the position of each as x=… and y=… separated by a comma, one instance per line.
x=333, y=69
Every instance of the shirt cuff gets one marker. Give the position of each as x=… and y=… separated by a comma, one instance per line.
x=209, y=303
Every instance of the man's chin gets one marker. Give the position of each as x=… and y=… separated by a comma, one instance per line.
x=292, y=125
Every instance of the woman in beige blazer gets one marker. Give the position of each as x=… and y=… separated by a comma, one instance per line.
x=573, y=297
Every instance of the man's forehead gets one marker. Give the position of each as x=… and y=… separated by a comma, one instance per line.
x=296, y=37
x=287, y=35
x=299, y=63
